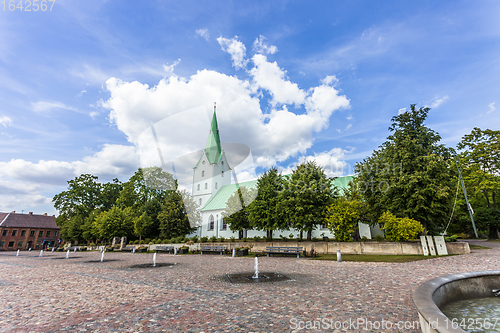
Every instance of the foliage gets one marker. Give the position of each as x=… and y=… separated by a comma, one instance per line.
x=400, y=229
x=379, y=238
x=116, y=222
x=236, y=212
x=343, y=216
x=305, y=198
x=174, y=220
x=410, y=174
x=264, y=212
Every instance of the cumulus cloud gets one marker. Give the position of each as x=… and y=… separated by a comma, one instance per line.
x=203, y=33
x=491, y=107
x=332, y=162
x=260, y=46
x=170, y=68
x=236, y=49
x=438, y=101
x=5, y=121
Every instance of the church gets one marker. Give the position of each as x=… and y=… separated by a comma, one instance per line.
x=212, y=188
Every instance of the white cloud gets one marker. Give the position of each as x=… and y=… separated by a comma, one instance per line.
x=438, y=101
x=401, y=111
x=236, y=49
x=9, y=203
x=5, y=121
x=43, y=106
x=332, y=162
x=203, y=33
x=260, y=46
x=491, y=107
x=348, y=126
x=170, y=68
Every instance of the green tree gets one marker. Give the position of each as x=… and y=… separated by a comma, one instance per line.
x=411, y=174
x=400, y=229
x=81, y=198
x=174, y=219
x=306, y=197
x=115, y=222
x=264, y=213
x=237, y=210
x=343, y=216
x=480, y=160
x=143, y=225
x=110, y=193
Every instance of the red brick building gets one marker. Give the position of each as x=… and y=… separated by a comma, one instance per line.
x=25, y=231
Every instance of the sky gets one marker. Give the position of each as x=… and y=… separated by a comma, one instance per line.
x=85, y=84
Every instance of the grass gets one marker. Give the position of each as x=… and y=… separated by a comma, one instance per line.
x=374, y=257
x=478, y=247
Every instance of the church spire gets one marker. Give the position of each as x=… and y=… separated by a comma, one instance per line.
x=213, y=149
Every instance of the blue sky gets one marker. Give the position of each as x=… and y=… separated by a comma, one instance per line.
x=81, y=85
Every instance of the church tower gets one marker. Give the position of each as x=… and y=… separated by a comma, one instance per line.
x=212, y=170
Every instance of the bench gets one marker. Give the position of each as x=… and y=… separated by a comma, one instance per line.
x=283, y=250
x=169, y=249
x=128, y=248
x=213, y=248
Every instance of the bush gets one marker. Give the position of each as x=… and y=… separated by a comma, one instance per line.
x=451, y=238
x=379, y=238
x=232, y=239
x=364, y=239
x=204, y=239
x=194, y=239
x=221, y=239
x=91, y=244
x=283, y=238
x=213, y=239
x=141, y=242
x=147, y=240
x=244, y=239
x=256, y=238
x=151, y=243
x=400, y=229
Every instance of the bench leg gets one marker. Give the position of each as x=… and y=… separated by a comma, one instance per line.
x=298, y=255
x=268, y=254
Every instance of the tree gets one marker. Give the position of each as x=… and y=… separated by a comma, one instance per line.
x=400, y=229
x=306, y=196
x=342, y=220
x=237, y=210
x=143, y=225
x=411, y=174
x=115, y=222
x=174, y=219
x=81, y=198
x=264, y=213
x=480, y=159
x=110, y=193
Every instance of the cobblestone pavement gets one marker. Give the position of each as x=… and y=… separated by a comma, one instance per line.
x=82, y=294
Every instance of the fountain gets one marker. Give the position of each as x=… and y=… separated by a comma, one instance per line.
x=133, y=250
x=154, y=259
x=41, y=253
x=339, y=256
x=257, y=276
x=53, y=249
x=256, y=267
x=17, y=255
x=234, y=252
x=102, y=256
x=67, y=255
x=75, y=249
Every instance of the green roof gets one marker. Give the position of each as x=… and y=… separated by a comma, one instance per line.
x=220, y=199
x=213, y=149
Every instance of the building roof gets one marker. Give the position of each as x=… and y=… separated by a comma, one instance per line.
x=219, y=200
x=214, y=148
x=14, y=220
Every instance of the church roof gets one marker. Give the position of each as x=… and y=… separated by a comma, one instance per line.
x=218, y=201
x=213, y=149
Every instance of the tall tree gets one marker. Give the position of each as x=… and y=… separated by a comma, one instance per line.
x=480, y=160
x=115, y=222
x=411, y=174
x=264, y=213
x=81, y=198
x=306, y=196
x=174, y=219
x=237, y=210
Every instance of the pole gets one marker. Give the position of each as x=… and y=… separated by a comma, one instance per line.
x=465, y=194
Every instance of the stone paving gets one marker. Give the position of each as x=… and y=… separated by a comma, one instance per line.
x=81, y=294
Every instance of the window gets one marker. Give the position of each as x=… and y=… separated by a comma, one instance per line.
x=20, y=244
x=2, y=244
x=223, y=224
x=4, y=233
x=14, y=233
x=37, y=245
x=215, y=185
x=206, y=186
x=47, y=234
x=23, y=233
x=11, y=244
x=40, y=234
x=200, y=202
x=221, y=162
x=55, y=233
x=222, y=174
x=198, y=187
x=211, y=223
x=32, y=233
x=203, y=173
x=202, y=162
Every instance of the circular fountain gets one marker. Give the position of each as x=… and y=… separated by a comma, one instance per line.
x=257, y=276
x=439, y=295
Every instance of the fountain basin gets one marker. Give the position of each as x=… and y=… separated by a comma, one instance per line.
x=151, y=265
x=265, y=277
x=431, y=296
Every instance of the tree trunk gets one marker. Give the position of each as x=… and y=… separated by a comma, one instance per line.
x=487, y=199
x=309, y=235
x=493, y=234
x=300, y=235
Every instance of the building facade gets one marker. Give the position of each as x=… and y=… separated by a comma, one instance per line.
x=212, y=188
x=28, y=231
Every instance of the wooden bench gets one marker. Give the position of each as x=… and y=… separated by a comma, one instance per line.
x=128, y=248
x=169, y=249
x=213, y=248
x=283, y=250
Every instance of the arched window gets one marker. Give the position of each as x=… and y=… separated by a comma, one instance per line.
x=203, y=162
x=215, y=185
x=198, y=187
x=206, y=186
x=223, y=225
x=222, y=174
x=211, y=223
x=200, y=201
x=203, y=173
x=221, y=162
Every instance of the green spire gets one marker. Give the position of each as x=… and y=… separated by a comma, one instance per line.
x=213, y=149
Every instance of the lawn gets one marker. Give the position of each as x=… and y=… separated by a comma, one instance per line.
x=478, y=247
x=375, y=257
